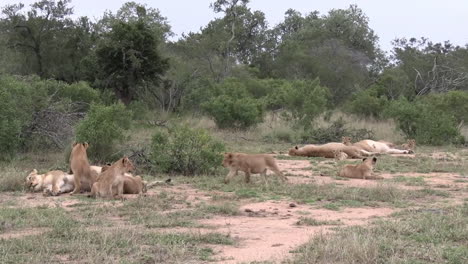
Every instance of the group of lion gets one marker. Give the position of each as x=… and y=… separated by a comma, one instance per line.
x=260, y=163
x=109, y=181
x=114, y=180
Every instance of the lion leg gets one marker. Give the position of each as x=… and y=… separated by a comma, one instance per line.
x=77, y=180
x=397, y=151
x=94, y=190
x=230, y=175
x=247, y=176
x=120, y=188
x=278, y=173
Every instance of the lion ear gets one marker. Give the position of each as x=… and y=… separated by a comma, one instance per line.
x=374, y=160
x=296, y=147
x=230, y=155
x=85, y=145
x=34, y=171
x=364, y=159
x=74, y=144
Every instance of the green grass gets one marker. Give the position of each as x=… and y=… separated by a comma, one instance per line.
x=409, y=181
x=423, y=236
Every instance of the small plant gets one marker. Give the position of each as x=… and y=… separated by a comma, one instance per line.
x=102, y=128
x=185, y=150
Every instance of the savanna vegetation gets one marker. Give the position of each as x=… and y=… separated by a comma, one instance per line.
x=121, y=83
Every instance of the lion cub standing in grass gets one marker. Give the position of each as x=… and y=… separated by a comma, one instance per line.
x=360, y=171
x=250, y=163
x=79, y=166
x=112, y=179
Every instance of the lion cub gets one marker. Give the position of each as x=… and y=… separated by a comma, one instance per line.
x=112, y=179
x=51, y=183
x=79, y=166
x=360, y=171
x=132, y=184
x=250, y=163
x=410, y=145
x=339, y=155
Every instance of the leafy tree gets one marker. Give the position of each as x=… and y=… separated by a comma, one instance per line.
x=129, y=59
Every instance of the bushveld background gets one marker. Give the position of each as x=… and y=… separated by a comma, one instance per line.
x=238, y=85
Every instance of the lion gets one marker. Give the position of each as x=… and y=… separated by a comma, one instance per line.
x=132, y=184
x=360, y=171
x=79, y=166
x=51, y=183
x=372, y=146
x=340, y=155
x=111, y=181
x=329, y=150
x=410, y=145
x=250, y=163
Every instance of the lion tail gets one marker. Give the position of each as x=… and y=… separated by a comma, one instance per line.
x=154, y=183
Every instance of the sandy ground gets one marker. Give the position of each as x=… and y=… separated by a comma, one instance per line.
x=268, y=230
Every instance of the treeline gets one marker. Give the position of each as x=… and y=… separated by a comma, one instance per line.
x=234, y=69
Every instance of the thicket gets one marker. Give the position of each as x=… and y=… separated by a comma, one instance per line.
x=186, y=151
x=102, y=128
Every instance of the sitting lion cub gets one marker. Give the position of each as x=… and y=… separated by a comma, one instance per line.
x=250, y=163
x=360, y=171
x=132, y=184
x=112, y=179
x=53, y=182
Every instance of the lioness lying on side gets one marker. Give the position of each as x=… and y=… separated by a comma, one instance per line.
x=329, y=150
x=51, y=183
x=54, y=182
x=381, y=147
x=250, y=163
x=360, y=171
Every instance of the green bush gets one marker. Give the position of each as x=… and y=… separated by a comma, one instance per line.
x=231, y=112
x=102, y=127
x=367, y=103
x=139, y=109
x=186, y=151
x=453, y=102
x=334, y=133
x=424, y=122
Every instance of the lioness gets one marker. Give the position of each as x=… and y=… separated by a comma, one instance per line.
x=112, y=179
x=250, y=163
x=53, y=182
x=79, y=166
x=340, y=155
x=373, y=146
x=328, y=151
x=360, y=171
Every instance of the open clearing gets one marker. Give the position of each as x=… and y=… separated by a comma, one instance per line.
x=202, y=220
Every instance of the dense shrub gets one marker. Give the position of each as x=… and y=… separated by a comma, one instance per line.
x=234, y=106
x=102, y=127
x=367, y=103
x=453, y=102
x=334, y=133
x=424, y=122
x=186, y=151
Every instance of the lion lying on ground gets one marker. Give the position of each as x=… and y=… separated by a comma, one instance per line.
x=373, y=146
x=110, y=182
x=360, y=171
x=250, y=163
x=51, y=183
x=409, y=145
x=329, y=150
x=54, y=182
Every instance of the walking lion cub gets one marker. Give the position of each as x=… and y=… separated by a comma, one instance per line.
x=250, y=163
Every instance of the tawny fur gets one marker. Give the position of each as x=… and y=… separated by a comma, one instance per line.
x=250, y=163
x=79, y=166
x=111, y=181
x=360, y=171
x=51, y=183
x=374, y=146
x=328, y=151
x=340, y=155
x=410, y=145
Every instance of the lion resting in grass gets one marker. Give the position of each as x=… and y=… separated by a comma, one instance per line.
x=329, y=150
x=111, y=181
x=79, y=166
x=54, y=182
x=132, y=184
x=381, y=147
x=360, y=171
x=51, y=183
x=250, y=163
x=410, y=145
